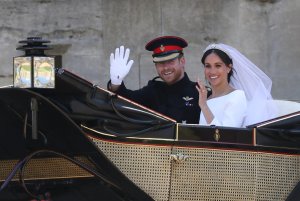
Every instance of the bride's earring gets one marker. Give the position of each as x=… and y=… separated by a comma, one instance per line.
x=207, y=85
x=206, y=82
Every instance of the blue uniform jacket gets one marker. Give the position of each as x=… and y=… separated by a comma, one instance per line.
x=178, y=101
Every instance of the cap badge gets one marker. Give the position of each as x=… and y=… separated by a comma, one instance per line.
x=162, y=48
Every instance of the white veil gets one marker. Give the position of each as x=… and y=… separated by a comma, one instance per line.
x=254, y=82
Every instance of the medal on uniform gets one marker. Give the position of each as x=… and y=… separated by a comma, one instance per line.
x=187, y=100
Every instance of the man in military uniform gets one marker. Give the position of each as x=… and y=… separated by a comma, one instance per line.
x=175, y=96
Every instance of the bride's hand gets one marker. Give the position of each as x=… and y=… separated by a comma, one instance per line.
x=202, y=93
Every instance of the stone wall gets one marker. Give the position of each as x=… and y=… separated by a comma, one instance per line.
x=86, y=32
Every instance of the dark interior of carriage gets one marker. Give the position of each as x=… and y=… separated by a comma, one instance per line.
x=98, y=109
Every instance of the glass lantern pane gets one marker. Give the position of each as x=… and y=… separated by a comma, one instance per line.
x=44, y=72
x=22, y=72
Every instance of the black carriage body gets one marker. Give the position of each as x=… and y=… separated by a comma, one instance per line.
x=72, y=118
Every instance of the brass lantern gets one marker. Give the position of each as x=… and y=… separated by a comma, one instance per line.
x=34, y=69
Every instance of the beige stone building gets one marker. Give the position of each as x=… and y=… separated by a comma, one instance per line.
x=86, y=32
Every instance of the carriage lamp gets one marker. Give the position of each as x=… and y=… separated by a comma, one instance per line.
x=34, y=69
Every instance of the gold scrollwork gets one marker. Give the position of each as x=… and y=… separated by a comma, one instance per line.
x=217, y=135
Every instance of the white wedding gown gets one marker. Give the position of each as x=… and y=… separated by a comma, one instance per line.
x=228, y=110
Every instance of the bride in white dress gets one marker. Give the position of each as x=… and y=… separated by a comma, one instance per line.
x=241, y=92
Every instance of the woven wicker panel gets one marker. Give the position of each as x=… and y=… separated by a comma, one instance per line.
x=277, y=175
x=207, y=174
x=45, y=168
x=213, y=175
x=233, y=175
x=147, y=166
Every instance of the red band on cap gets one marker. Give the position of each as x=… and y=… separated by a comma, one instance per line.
x=167, y=48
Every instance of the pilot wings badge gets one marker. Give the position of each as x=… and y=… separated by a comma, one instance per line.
x=187, y=100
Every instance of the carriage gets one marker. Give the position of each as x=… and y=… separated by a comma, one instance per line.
x=79, y=141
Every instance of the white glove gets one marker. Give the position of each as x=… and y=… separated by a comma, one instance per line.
x=119, y=67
